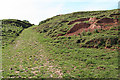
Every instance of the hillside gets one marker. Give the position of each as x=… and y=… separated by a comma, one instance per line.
x=11, y=28
x=75, y=45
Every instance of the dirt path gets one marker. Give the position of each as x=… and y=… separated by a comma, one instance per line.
x=30, y=46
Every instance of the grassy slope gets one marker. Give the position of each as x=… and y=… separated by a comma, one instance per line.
x=43, y=55
x=28, y=58
x=67, y=52
x=11, y=28
x=59, y=24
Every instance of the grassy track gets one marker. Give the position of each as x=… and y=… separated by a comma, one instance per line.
x=26, y=58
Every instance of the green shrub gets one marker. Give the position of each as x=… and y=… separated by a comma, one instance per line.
x=83, y=33
x=88, y=33
x=96, y=31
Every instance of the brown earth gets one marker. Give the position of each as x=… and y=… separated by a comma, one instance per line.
x=106, y=20
x=92, y=20
x=78, y=26
x=60, y=35
x=93, y=23
x=112, y=15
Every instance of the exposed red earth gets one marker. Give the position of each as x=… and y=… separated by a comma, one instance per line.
x=92, y=23
x=78, y=20
x=76, y=27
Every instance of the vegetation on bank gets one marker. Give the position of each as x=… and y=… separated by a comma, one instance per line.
x=43, y=54
x=11, y=28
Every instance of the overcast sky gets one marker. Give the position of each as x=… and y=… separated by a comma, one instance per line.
x=38, y=10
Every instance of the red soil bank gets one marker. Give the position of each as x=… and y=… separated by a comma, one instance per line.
x=93, y=26
x=60, y=34
x=77, y=27
x=114, y=15
x=94, y=23
x=92, y=19
x=106, y=20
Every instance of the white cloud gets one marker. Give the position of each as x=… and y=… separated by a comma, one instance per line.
x=32, y=10
x=37, y=10
x=20, y=9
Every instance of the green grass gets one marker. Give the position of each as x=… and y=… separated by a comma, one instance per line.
x=11, y=28
x=58, y=24
x=38, y=53
x=25, y=57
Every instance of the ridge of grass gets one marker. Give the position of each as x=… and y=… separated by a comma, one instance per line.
x=11, y=28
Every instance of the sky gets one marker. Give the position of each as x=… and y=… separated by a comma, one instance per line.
x=37, y=10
